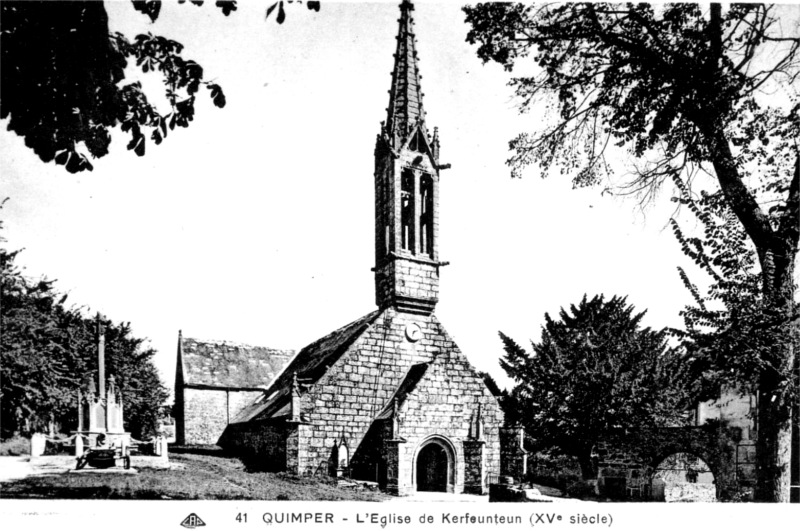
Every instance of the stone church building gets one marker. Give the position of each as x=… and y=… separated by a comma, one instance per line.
x=389, y=397
x=215, y=380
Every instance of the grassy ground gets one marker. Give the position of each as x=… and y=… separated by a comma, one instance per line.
x=205, y=477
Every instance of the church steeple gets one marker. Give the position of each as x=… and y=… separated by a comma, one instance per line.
x=405, y=97
x=406, y=189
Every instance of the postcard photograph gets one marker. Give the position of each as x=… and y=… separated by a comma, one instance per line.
x=454, y=264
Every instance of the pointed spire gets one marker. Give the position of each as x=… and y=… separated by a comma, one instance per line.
x=405, y=96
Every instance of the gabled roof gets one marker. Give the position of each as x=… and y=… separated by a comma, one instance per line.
x=224, y=364
x=310, y=364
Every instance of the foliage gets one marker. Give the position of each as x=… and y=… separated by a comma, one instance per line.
x=687, y=90
x=644, y=76
x=491, y=384
x=726, y=331
x=47, y=351
x=64, y=84
x=14, y=446
x=594, y=370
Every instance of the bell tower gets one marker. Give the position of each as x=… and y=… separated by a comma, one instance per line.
x=406, y=189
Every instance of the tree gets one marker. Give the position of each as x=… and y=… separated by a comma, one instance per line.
x=47, y=351
x=595, y=370
x=724, y=329
x=63, y=78
x=681, y=88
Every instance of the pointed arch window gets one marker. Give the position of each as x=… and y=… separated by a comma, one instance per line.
x=407, y=216
x=426, y=215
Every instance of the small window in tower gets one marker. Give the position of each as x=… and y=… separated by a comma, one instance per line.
x=417, y=142
x=386, y=239
x=407, y=210
x=426, y=216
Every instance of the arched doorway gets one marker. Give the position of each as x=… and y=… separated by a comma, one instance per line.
x=435, y=466
x=683, y=477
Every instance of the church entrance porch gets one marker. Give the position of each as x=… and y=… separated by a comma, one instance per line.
x=435, y=466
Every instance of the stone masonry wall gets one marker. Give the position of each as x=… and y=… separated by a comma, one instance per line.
x=409, y=279
x=443, y=403
x=238, y=400
x=359, y=385
x=206, y=412
x=261, y=445
x=205, y=415
x=636, y=454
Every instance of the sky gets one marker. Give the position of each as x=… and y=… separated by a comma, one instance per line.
x=255, y=224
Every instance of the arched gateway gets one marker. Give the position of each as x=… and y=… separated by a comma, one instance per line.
x=434, y=466
x=629, y=462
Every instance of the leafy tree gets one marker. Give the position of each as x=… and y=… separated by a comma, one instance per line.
x=47, y=351
x=682, y=89
x=725, y=329
x=63, y=78
x=595, y=370
x=491, y=384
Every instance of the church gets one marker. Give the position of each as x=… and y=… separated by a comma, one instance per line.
x=388, y=398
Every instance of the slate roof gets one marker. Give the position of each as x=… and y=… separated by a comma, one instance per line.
x=406, y=387
x=224, y=364
x=310, y=364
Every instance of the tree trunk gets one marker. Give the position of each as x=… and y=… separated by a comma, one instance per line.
x=776, y=401
x=794, y=494
x=588, y=470
x=777, y=249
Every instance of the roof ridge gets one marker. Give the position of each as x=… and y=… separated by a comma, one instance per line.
x=231, y=343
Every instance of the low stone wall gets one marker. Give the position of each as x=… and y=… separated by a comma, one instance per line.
x=262, y=446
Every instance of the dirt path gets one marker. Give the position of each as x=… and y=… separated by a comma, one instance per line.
x=17, y=467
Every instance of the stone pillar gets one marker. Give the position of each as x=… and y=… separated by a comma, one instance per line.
x=396, y=467
x=78, y=445
x=513, y=457
x=296, y=405
x=38, y=443
x=101, y=356
x=80, y=410
x=297, y=439
x=292, y=448
x=474, y=467
x=161, y=449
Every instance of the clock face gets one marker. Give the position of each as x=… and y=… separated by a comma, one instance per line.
x=413, y=332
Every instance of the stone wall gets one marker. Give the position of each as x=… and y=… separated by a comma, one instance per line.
x=408, y=279
x=238, y=400
x=627, y=458
x=262, y=446
x=206, y=412
x=205, y=415
x=344, y=402
x=735, y=409
x=444, y=403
